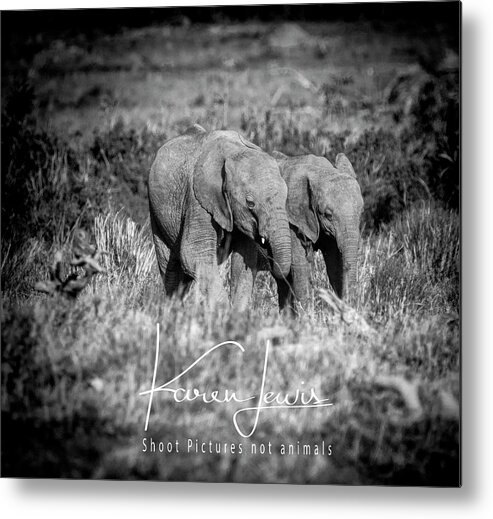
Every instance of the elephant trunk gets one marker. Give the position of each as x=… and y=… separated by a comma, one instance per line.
x=349, y=254
x=349, y=261
x=341, y=255
x=280, y=246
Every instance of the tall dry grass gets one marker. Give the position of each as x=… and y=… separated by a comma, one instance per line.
x=83, y=365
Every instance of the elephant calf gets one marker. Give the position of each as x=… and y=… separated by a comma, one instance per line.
x=324, y=208
x=208, y=191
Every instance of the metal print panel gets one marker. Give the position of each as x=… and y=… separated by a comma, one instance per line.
x=230, y=244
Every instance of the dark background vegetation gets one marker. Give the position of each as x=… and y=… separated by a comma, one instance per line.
x=426, y=150
x=87, y=99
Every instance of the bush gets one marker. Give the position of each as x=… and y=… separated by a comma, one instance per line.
x=49, y=186
x=126, y=154
x=130, y=247
x=394, y=170
x=437, y=120
x=415, y=264
x=46, y=188
x=390, y=173
x=285, y=134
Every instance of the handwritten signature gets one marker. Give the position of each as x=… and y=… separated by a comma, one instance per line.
x=264, y=400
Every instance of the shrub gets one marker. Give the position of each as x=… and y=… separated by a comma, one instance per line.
x=390, y=174
x=129, y=246
x=437, y=120
x=413, y=264
x=49, y=186
x=125, y=156
x=46, y=188
x=394, y=170
x=283, y=132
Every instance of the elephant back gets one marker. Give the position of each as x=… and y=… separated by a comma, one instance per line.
x=195, y=129
x=302, y=164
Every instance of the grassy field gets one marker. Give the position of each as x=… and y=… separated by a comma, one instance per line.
x=81, y=121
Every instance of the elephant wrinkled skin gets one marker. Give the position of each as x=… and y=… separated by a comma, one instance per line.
x=208, y=191
x=324, y=209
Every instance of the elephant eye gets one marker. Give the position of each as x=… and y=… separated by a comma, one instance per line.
x=250, y=203
x=328, y=214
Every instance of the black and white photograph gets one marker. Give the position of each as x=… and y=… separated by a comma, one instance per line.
x=231, y=244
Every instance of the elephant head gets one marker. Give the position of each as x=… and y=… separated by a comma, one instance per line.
x=325, y=205
x=241, y=187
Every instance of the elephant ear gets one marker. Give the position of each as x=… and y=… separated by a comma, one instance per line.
x=209, y=186
x=343, y=165
x=299, y=205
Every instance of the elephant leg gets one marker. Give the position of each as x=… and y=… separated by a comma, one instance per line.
x=162, y=255
x=175, y=279
x=168, y=263
x=198, y=254
x=243, y=272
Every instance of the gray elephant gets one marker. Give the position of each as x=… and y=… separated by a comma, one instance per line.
x=208, y=191
x=324, y=208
